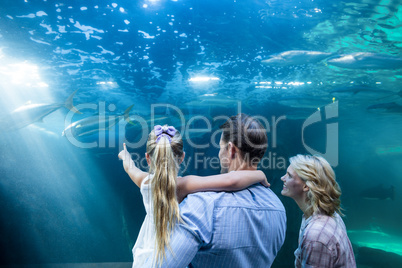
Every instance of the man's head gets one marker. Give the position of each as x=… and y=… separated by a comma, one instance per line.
x=244, y=140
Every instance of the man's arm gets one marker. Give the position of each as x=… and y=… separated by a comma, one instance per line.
x=190, y=235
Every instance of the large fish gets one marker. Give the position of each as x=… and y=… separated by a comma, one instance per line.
x=386, y=150
x=363, y=92
x=373, y=257
x=304, y=102
x=296, y=57
x=379, y=193
x=139, y=122
x=212, y=100
x=299, y=113
x=31, y=113
x=95, y=123
x=381, y=245
x=366, y=60
x=389, y=107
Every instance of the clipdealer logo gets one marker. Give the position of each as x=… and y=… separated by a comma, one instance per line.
x=331, y=153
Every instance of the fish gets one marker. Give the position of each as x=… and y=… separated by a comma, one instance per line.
x=387, y=26
x=94, y=124
x=34, y=112
x=139, y=122
x=366, y=60
x=366, y=237
x=386, y=150
x=304, y=102
x=389, y=107
x=372, y=257
x=212, y=100
x=379, y=193
x=296, y=57
x=362, y=91
x=299, y=113
x=194, y=133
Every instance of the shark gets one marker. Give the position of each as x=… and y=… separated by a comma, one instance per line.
x=94, y=124
x=389, y=107
x=379, y=193
x=138, y=123
x=212, y=100
x=366, y=60
x=296, y=57
x=34, y=112
x=377, y=245
x=299, y=113
x=304, y=102
x=373, y=258
x=364, y=91
x=386, y=150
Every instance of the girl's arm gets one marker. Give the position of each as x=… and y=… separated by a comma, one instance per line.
x=135, y=174
x=232, y=181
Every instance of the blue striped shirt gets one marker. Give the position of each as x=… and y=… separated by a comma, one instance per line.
x=228, y=229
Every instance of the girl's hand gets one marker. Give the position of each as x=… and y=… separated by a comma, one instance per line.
x=265, y=183
x=126, y=157
x=135, y=174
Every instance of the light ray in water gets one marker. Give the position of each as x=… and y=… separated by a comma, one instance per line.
x=20, y=83
x=203, y=79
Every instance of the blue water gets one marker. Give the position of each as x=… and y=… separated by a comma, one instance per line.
x=66, y=199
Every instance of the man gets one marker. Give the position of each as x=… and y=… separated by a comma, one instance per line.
x=231, y=229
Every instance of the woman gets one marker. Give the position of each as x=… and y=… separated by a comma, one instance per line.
x=323, y=240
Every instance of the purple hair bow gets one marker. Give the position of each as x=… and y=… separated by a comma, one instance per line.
x=167, y=131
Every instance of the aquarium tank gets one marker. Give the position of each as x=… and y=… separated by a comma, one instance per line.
x=80, y=78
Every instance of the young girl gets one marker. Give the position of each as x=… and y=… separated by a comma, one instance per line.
x=162, y=190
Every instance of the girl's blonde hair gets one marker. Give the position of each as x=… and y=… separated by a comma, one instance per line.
x=324, y=192
x=165, y=154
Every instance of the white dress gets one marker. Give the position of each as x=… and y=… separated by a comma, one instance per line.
x=145, y=244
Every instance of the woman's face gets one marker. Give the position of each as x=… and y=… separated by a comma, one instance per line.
x=293, y=186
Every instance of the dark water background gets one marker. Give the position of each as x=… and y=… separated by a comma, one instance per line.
x=66, y=202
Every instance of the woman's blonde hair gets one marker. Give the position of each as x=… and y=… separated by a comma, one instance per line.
x=165, y=153
x=324, y=192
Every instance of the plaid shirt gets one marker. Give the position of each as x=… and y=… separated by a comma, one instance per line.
x=323, y=242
